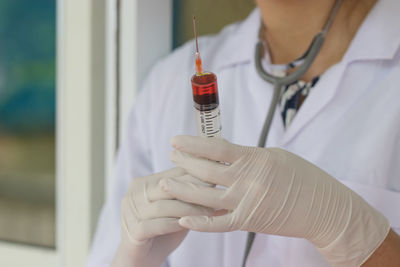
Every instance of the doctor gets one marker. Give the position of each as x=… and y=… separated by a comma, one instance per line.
x=328, y=193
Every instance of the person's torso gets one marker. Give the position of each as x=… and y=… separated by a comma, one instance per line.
x=348, y=126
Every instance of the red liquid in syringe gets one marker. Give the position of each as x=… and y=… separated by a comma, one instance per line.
x=205, y=91
x=205, y=98
x=206, y=103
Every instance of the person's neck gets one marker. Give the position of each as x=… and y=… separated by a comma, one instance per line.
x=291, y=25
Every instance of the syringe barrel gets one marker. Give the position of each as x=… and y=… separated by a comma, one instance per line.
x=206, y=103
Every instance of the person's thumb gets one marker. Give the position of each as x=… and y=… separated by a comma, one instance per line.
x=206, y=223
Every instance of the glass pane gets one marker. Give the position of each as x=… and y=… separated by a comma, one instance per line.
x=211, y=15
x=27, y=121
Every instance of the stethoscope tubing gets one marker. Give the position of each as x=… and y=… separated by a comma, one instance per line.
x=279, y=82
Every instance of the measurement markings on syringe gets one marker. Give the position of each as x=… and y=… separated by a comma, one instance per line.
x=205, y=97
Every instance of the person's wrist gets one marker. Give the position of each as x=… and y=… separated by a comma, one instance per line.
x=136, y=256
x=122, y=256
x=127, y=248
x=364, y=230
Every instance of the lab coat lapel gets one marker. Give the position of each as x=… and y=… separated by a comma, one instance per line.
x=319, y=97
x=261, y=92
x=373, y=41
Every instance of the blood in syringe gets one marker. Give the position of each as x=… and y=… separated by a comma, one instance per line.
x=205, y=97
x=204, y=84
x=205, y=91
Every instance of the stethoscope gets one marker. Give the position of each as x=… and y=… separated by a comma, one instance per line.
x=301, y=67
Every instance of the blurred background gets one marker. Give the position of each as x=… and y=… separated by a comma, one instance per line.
x=27, y=121
x=69, y=71
x=212, y=16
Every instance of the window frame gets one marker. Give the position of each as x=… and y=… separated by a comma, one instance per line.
x=92, y=97
x=145, y=34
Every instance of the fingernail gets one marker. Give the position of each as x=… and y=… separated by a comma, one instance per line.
x=185, y=222
x=189, y=222
x=200, y=219
x=164, y=184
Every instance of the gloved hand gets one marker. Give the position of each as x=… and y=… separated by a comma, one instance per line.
x=272, y=191
x=149, y=221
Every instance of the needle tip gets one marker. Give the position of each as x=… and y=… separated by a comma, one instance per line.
x=195, y=33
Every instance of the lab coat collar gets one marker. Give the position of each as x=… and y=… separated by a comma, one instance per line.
x=240, y=47
x=320, y=96
x=379, y=35
x=377, y=38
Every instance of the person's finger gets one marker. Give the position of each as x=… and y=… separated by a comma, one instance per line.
x=206, y=170
x=191, y=179
x=154, y=191
x=151, y=189
x=140, y=231
x=196, y=194
x=220, y=212
x=207, y=223
x=174, y=172
x=210, y=148
x=171, y=209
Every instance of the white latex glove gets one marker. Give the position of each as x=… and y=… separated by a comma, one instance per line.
x=272, y=191
x=149, y=221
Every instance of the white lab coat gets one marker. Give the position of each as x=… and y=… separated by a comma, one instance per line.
x=349, y=126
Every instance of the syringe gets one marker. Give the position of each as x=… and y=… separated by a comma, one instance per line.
x=205, y=97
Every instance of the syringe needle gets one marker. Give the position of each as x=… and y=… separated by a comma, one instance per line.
x=195, y=33
x=205, y=97
x=199, y=67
